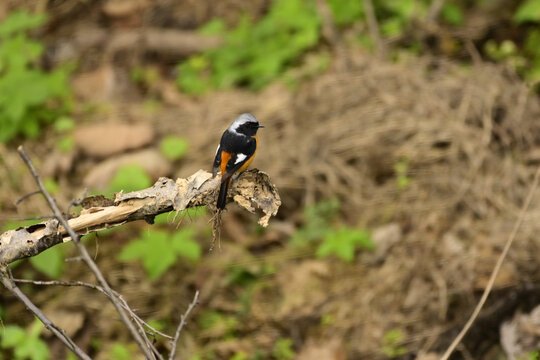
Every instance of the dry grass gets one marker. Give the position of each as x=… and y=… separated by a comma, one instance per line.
x=469, y=135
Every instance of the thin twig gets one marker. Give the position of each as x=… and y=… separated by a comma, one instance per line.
x=8, y=282
x=77, y=202
x=98, y=288
x=183, y=323
x=495, y=271
x=143, y=342
x=24, y=197
x=434, y=10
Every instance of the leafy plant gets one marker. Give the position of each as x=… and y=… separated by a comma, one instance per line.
x=332, y=239
x=219, y=324
x=344, y=242
x=452, y=14
x=174, y=147
x=130, y=177
x=528, y=11
x=119, y=351
x=145, y=76
x=283, y=350
x=396, y=16
x=30, y=96
x=318, y=219
x=346, y=12
x=241, y=355
x=25, y=344
x=51, y=186
x=158, y=250
x=253, y=54
x=392, y=344
x=64, y=125
x=50, y=262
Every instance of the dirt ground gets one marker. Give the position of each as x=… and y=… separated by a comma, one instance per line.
x=470, y=136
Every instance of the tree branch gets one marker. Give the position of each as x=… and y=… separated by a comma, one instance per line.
x=135, y=317
x=182, y=323
x=140, y=338
x=252, y=189
x=8, y=282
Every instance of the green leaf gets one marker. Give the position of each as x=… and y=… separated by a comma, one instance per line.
x=26, y=344
x=318, y=219
x=184, y=245
x=120, y=352
x=239, y=356
x=155, y=251
x=346, y=12
x=20, y=21
x=283, y=350
x=528, y=11
x=51, y=186
x=129, y=178
x=33, y=349
x=12, y=336
x=344, y=242
x=391, y=344
x=65, y=144
x=452, y=14
x=50, y=262
x=392, y=27
x=35, y=329
x=254, y=54
x=30, y=97
x=213, y=27
x=174, y=147
x=64, y=124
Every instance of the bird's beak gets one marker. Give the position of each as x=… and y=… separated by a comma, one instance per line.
x=261, y=126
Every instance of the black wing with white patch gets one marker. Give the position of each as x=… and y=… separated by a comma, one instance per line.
x=241, y=148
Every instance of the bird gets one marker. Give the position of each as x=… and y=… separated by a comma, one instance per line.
x=235, y=152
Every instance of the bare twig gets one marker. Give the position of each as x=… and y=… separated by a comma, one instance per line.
x=77, y=202
x=328, y=28
x=252, y=189
x=8, y=282
x=495, y=271
x=373, y=27
x=100, y=289
x=182, y=324
x=24, y=197
x=140, y=339
x=434, y=10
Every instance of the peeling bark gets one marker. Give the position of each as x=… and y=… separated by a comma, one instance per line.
x=251, y=190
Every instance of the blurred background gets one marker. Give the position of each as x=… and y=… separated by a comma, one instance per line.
x=403, y=137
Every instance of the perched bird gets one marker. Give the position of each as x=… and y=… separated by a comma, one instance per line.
x=235, y=152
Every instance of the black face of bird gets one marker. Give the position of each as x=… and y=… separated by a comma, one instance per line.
x=249, y=128
x=246, y=124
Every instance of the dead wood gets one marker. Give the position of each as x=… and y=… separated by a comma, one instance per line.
x=251, y=190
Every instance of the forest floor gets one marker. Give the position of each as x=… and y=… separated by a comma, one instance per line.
x=434, y=157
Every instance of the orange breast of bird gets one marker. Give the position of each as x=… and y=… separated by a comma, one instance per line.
x=248, y=161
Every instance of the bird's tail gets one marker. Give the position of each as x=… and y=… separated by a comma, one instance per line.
x=223, y=190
